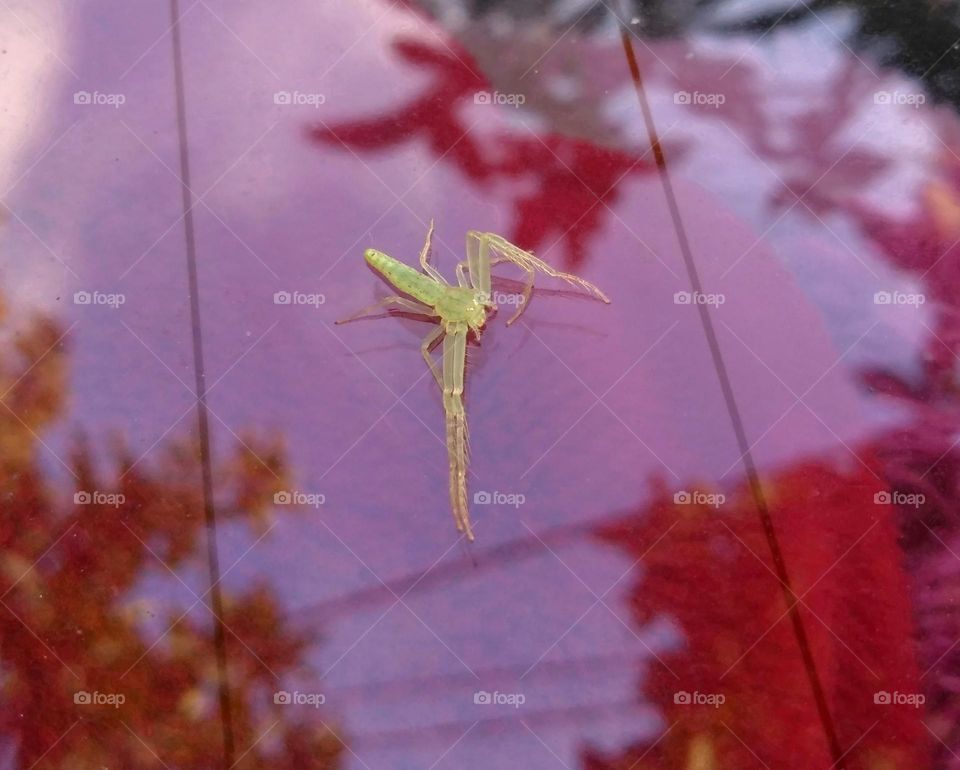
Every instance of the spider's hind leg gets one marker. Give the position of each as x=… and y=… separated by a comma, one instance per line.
x=428, y=342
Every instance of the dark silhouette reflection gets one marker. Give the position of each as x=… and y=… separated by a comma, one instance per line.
x=572, y=181
x=916, y=36
x=90, y=679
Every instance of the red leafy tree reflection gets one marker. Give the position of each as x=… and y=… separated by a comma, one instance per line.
x=571, y=181
x=74, y=621
x=922, y=457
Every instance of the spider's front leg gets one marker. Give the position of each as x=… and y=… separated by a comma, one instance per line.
x=425, y=258
x=477, y=262
x=479, y=248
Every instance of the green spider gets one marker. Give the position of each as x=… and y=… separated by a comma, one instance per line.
x=459, y=309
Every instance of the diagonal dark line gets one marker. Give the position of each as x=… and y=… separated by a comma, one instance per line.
x=216, y=596
x=494, y=558
x=716, y=355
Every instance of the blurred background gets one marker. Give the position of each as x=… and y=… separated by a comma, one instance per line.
x=717, y=520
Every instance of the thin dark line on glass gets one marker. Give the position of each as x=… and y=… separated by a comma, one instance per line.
x=780, y=566
x=209, y=510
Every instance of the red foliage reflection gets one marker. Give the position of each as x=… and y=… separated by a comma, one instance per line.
x=98, y=671
x=708, y=570
x=572, y=180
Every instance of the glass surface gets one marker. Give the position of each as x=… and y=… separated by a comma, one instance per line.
x=715, y=519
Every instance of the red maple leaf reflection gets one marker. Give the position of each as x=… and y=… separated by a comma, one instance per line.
x=577, y=181
x=711, y=574
x=431, y=117
x=572, y=179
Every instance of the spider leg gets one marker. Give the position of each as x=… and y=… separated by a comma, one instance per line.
x=425, y=257
x=528, y=261
x=478, y=261
x=406, y=304
x=428, y=342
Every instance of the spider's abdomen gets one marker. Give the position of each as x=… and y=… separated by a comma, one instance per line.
x=405, y=278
